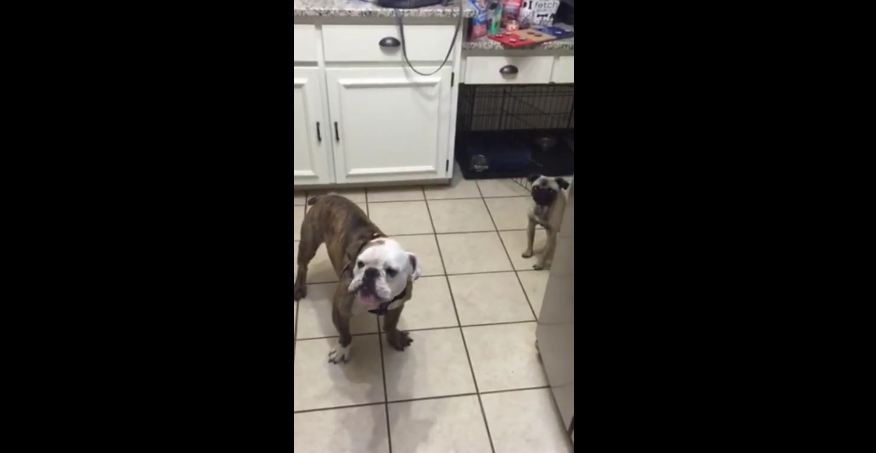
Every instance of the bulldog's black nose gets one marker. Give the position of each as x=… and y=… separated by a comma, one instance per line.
x=371, y=273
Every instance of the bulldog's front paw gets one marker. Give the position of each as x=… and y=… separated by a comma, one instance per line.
x=340, y=354
x=399, y=339
x=538, y=266
x=527, y=254
x=299, y=292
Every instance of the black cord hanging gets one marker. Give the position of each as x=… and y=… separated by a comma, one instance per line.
x=401, y=30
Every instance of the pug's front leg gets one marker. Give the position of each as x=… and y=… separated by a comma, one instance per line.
x=530, y=237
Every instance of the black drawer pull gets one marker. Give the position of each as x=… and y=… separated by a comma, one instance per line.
x=318, y=136
x=389, y=41
x=508, y=70
x=337, y=137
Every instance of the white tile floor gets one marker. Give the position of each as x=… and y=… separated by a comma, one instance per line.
x=471, y=381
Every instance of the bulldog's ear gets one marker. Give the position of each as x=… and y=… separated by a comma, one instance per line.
x=533, y=177
x=416, y=270
x=562, y=183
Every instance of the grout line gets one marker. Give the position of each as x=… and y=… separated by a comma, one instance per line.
x=459, y=325
x=294, y=337
x=336, y=336
x=396, y=201
x=445, y=272
x=295, y=277
x=505, y=196
x=433, y=233
x=508, y=254
x=426, y=398
x=383, y=374
x=423, y=329
x=453, y=198
x=450, y=275
x=458, y=232
x=449, y=199
x=476, y=273
x=489, y=392
x=500, y=323
x=348, y=406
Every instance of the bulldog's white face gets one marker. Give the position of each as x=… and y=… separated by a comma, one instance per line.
x=381, y=272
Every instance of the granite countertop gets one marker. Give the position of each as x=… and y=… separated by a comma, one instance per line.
x=557, y=44
x=363, y=8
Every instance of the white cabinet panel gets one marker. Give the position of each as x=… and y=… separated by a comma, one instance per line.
x=362, y=42
x=489, y=70
x=392, y=125
x=564, y=70
x=305, y=43
x=310, y=139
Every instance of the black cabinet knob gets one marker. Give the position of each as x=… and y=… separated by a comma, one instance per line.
x=508, y=70
x=389, y=42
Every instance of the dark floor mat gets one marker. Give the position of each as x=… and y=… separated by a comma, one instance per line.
x=558, y=161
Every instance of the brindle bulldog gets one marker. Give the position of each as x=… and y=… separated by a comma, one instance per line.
x=375, y=273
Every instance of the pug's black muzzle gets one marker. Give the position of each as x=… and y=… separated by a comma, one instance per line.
x=543, y=196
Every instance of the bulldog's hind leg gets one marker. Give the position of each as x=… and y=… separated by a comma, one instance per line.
x=310, y=241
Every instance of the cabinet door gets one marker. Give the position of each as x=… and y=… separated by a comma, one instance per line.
x=392, y=124
x=311, y=134
x=564, y=70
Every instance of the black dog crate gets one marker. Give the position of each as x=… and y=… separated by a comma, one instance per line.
x=511, y=131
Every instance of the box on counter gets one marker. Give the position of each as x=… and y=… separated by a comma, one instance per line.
x=481, y=20
x=538, y=12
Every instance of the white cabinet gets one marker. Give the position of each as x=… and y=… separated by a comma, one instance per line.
x=305, y=44
x=310, y=139
x=352, y=43
x=508, y=70
x=361, y=115
x=564, y=70
x=389, y=124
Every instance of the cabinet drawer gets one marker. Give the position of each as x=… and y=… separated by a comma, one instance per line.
x=305, y=43
x=362, y=42
x=564, y=70
x=519, y=69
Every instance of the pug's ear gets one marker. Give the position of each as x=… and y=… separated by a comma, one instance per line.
x=533, y=177
x=416, y=270
x=562, y=183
